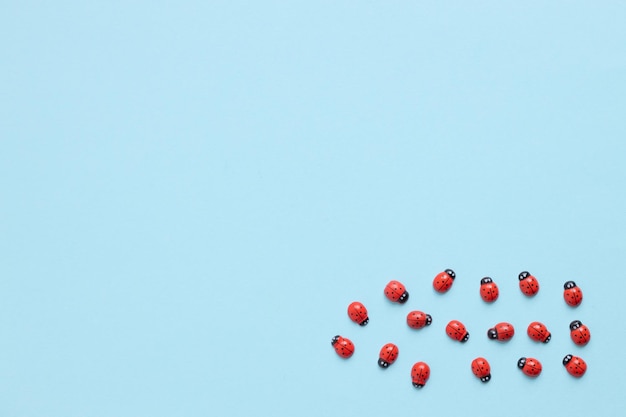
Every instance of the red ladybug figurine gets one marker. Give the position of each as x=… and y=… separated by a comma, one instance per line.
x=572, y=294
x=388, y=355
x=343, y=346
x=396, y=292
x=528, y=284
x=529, y=366
x=579, y=333
x=456, y=330
x=482, y=370
x=420, y=374
x=444, y=280
x=488, y=290
x=358, y=313
x=418, y=319
x=538, y=332
x=502, y=332
x=574, y=365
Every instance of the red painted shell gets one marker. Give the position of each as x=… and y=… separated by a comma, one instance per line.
x=388, y=355
x=418, y=319
x=574, y=365
x=481, y=368
x=489, y=291
x=502, y=332
x=528, y=284
x=396, y=292
x=530, y=366
x=358, y=313
x=343, y=346
x=457, y=331
x=579, y=333
x=538, y=332
x=420, y=374
x=444, y=280
x=572, y=294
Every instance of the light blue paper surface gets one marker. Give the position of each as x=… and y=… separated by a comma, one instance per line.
x=193, y=192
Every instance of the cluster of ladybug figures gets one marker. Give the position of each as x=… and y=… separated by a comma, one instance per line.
x=396, y=292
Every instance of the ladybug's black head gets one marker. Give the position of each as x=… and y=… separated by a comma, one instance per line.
x=335, y=339
x=521, y=362
x=451, y=273
x=486, y=280
x=492, y=333
x=566, y=359
x=465, y=338
x=575, y=324
x=486, y=378
x=403, y=297
x=429, y=319
x=569, y=285
x=416, y=385
x=383, y=363
x=548, y=338
x=364, y=322
x=523, y=275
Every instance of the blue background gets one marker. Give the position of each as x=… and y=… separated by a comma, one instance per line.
x=193, y=192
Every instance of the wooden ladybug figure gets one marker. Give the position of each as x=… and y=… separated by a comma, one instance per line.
x=457, y=331
x=572, y=294
x=482, y=370
x=358, y=313
x=396, y=292
x=343, y=346
x=538, y=332
x=488, y=290
x=528, y=284
x=529, y=366
x=444, y=280
x=388, y=355
x=574, y=365
x=420, y=374
x=418, y=319
x=502, y=332
x=579, y=333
